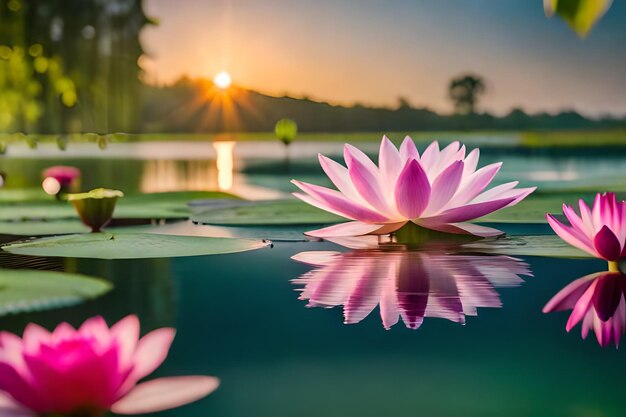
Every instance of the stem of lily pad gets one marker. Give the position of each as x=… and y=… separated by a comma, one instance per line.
x=614, y=266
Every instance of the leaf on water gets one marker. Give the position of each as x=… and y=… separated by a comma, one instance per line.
x=273, y=233
x=131, y=246
x=279, y=212
x=546, y=245
x=33, y=290
x=42, y=228
x=171, y=205
x=533, y=209
x=21, y=195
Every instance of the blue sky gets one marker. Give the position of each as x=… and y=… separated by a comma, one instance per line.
x=372, y=51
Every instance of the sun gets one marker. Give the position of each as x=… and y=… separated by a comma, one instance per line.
x=222, y=80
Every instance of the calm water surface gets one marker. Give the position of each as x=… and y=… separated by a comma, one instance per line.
x=239, y=316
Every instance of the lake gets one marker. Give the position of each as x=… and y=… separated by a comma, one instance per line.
x=272, y=327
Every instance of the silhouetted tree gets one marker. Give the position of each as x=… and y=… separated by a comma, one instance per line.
x=464, y=92
x=404, y=103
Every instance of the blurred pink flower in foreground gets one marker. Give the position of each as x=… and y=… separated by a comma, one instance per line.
x=600, y=230
x=65, y=175
x=410, y=285
x=90, y=371
x=597, y=300
x=438, y=190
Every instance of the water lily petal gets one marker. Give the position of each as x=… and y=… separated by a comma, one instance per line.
x=316, y=258
x=152, y=349
x=470, y=211
x=340, y=176
x=474, y=184
x=126, y=332
x=607, y=295
x=570, y=236
x=412, y=190
x=389, y=311
x=33, y=336
x=495, y=192
x=164, y=394
x=338, y=203
x=12, y=382
x=446, y=157
x=606, y=244
x=366, y=179
x=566, y=298
x=430, y=157
x=582, y=307
x=408, y=150
x=389, y=162
x=345, y=229
x=9, y=408
x=461, y=228
x=471, y=162
x=445, y=186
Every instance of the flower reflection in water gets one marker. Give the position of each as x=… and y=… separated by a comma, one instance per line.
x=406, y=284
x=598, y=301
x=90, y=370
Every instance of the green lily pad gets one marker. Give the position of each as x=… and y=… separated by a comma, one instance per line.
x=533, y=209
x=273, y=233
x=33, y=290
x=21, y=195
x=42, y=228
x=279, y=212
x=131, y=246
x=543, y=245
x=144, y=206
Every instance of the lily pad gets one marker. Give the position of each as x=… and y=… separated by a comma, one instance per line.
x=42, y=228
x=534, y=208
x=547, y=245
x=144, y=206
x=21, y=195
x=273, y=233
x=279, y=212
x=34, y=290
x=131, y=246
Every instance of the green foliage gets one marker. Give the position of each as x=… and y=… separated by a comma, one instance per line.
x=24, y=78
x=286, y=130
x=55, y=54
x=42, y=228
x=568, y=139
x=34, y=205
x=580, y=15
x=131, y=246
x=280, y=212
x=32, y=290
x=550, y=246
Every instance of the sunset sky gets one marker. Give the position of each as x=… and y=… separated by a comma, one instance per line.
x=373, y=51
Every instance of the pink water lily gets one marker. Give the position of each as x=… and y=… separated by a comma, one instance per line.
x=439, y=190
x=598, y=301
x=91, y=370
x=407, y=285
x=599, y=230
